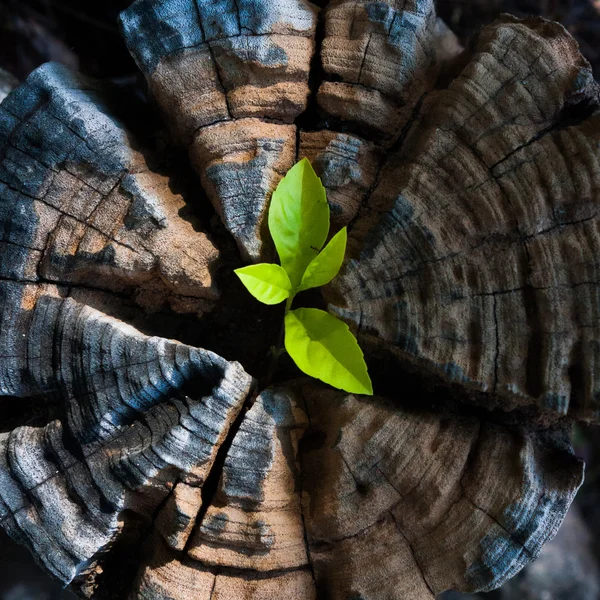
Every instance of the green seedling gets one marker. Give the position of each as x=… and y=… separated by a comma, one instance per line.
x=320, y=344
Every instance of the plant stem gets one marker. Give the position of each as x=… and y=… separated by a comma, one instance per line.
x=278, y=349
x=288, y=303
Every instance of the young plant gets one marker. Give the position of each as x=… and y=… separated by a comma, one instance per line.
x=320, y=344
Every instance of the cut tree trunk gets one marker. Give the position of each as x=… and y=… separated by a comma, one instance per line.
x=136, y=466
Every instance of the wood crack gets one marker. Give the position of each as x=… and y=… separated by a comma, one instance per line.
x=413, y=553
x=510, y=535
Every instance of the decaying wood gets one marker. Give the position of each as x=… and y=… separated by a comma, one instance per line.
x=482, y=266
x=231, y=78
x=81, y=206
x=134, y=466
x=348, y=166
x=386, y=56
x=428, y=502
x=124, y=429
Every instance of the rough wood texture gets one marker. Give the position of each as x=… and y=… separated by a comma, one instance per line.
x=379, y=59
x=134, y=466
x=479, y=260
x=231, y=77
x=427, y=501
x=80, y=206
x=124, y=430
x=347, y=165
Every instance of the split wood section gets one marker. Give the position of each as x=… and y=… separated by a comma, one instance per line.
x=134, y=466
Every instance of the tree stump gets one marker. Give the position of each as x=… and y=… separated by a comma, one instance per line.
x=143, y=452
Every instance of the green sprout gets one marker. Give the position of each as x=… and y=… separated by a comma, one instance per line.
x=321, y=345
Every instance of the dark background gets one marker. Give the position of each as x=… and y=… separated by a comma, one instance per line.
x=83, y=34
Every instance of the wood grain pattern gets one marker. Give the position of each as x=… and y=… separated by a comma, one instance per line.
x=379, y=59
x=124, y=429
x=429, y=502
x=231, y=77
x=348, y=166
x=478, y=256
x=81, y=206
x=136, y=466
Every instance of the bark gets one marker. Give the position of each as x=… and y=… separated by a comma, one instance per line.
x=135, y=466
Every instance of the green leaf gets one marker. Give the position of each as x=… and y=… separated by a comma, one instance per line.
x=266, y=282
x=326, y=265
x=323, y=347
x=299, y=219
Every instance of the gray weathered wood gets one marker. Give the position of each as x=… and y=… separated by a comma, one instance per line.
x=478, y=258
x=134, y=466
x=231, y=77
x=396, y=503
x=81, y=206
x=124, y=429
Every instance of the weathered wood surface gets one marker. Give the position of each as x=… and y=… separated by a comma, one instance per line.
x=134, y=466
x=124, y=429
x=478, y=257
x=81, y=207
x=231, y=78
x=386, y=55
x=428, y=501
